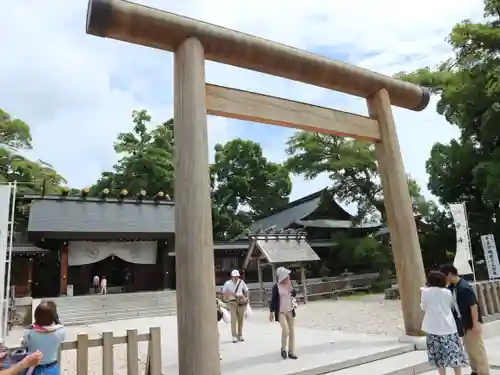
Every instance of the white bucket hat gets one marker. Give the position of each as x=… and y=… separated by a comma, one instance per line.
x=235, y=273
x=282, y=273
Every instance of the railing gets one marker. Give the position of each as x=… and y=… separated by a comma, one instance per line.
x=107, y=343
x=330, y=287
x=488, y=296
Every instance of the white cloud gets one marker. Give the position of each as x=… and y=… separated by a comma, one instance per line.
x=78, y=91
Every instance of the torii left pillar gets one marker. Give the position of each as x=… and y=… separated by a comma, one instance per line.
x=198, y=336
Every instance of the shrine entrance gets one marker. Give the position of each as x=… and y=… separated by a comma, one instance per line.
x=194, y=42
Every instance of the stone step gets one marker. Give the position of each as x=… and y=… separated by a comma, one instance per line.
x=119, y=315
x=411, y=363
x=115, y=305
x=116, y=297
x=84, y=310
x=97, y=312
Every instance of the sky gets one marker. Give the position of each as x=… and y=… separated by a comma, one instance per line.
x=78, y=91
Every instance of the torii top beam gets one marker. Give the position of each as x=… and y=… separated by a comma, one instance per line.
x=138, y=24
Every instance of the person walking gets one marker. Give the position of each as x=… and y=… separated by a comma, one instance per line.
x=282, y=309
x=469, y=320
x=235, y=291
x=45, y=336
x=444, y=348
x=95, y=284
x=104, y=285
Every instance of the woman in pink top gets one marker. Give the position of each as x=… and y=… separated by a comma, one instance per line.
x=282, y=309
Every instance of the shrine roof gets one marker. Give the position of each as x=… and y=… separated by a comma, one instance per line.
x=319, y=205
x=279, y=248
x=93, y=218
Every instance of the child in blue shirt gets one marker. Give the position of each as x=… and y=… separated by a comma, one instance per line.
x=46, y=336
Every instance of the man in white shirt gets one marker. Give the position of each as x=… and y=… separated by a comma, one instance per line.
x=235, y=291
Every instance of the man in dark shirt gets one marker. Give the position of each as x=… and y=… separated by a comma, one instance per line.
x=469, y=320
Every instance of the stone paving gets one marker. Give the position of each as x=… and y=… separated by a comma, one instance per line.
x=329, y=333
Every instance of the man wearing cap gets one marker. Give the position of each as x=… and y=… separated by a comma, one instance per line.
x=235, y=291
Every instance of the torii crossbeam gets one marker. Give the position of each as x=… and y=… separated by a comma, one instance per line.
x=193, y=42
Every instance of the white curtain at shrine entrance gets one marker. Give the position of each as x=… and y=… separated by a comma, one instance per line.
x=87, y=252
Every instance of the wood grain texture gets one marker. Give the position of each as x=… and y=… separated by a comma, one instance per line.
x=196, y=309
x=249, y=106
x=402, y=227
x=139, y=24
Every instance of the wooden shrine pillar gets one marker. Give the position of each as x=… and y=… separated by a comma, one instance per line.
x=404, y=238
x=196, y=309
x=64, y=270
x=261, y=280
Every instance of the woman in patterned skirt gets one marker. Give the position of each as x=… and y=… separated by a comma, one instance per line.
x=444, y=347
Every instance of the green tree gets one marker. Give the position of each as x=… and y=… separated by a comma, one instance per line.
x=31, y=176
x=244, y=182
x=468, y=84
x=147, y=161
x=244, y=177
x=351, y=166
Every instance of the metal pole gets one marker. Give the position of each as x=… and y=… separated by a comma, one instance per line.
x=9, y=255
x=469, y=242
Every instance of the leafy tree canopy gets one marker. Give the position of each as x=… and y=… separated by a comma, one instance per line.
x=468, y=84
x=244, y=182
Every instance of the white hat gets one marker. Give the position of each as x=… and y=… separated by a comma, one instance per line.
x=235, y=273
x=282, y=273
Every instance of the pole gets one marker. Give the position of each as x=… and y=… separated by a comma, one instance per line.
x=469, y=242
x=194, y=255
x=9, y=256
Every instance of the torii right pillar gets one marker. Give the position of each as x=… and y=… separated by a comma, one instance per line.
x=404, y=237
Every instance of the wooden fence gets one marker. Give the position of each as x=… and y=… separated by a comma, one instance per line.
x=313, y=289
x=107, y=342
x=488, y=296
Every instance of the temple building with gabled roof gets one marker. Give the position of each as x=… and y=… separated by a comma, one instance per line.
x=132, y=242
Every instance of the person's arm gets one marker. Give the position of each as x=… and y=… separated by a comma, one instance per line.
x=61, y=334
x=14, y=369
x=245, y=289
x=468, y=298
x=30, y=360
x=423, y=301
x=274, y=299
x=25, y=338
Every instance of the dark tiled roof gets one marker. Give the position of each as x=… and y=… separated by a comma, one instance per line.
x=300, y=209
x=97, y=219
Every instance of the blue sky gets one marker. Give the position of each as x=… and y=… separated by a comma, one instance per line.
x=77, y=92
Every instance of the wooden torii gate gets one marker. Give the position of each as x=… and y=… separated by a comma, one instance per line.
x=193, y=42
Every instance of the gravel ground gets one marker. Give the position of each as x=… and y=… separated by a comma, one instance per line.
x=365, y=314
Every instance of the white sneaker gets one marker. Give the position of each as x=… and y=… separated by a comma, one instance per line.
x=235, y=340
x=220, y=358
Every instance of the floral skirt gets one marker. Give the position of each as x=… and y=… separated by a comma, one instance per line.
x=445, y=351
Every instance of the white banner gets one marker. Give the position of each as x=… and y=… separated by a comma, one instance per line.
x=463, y=254
x=5, y=192
x=87, y=252
x=491, y=256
